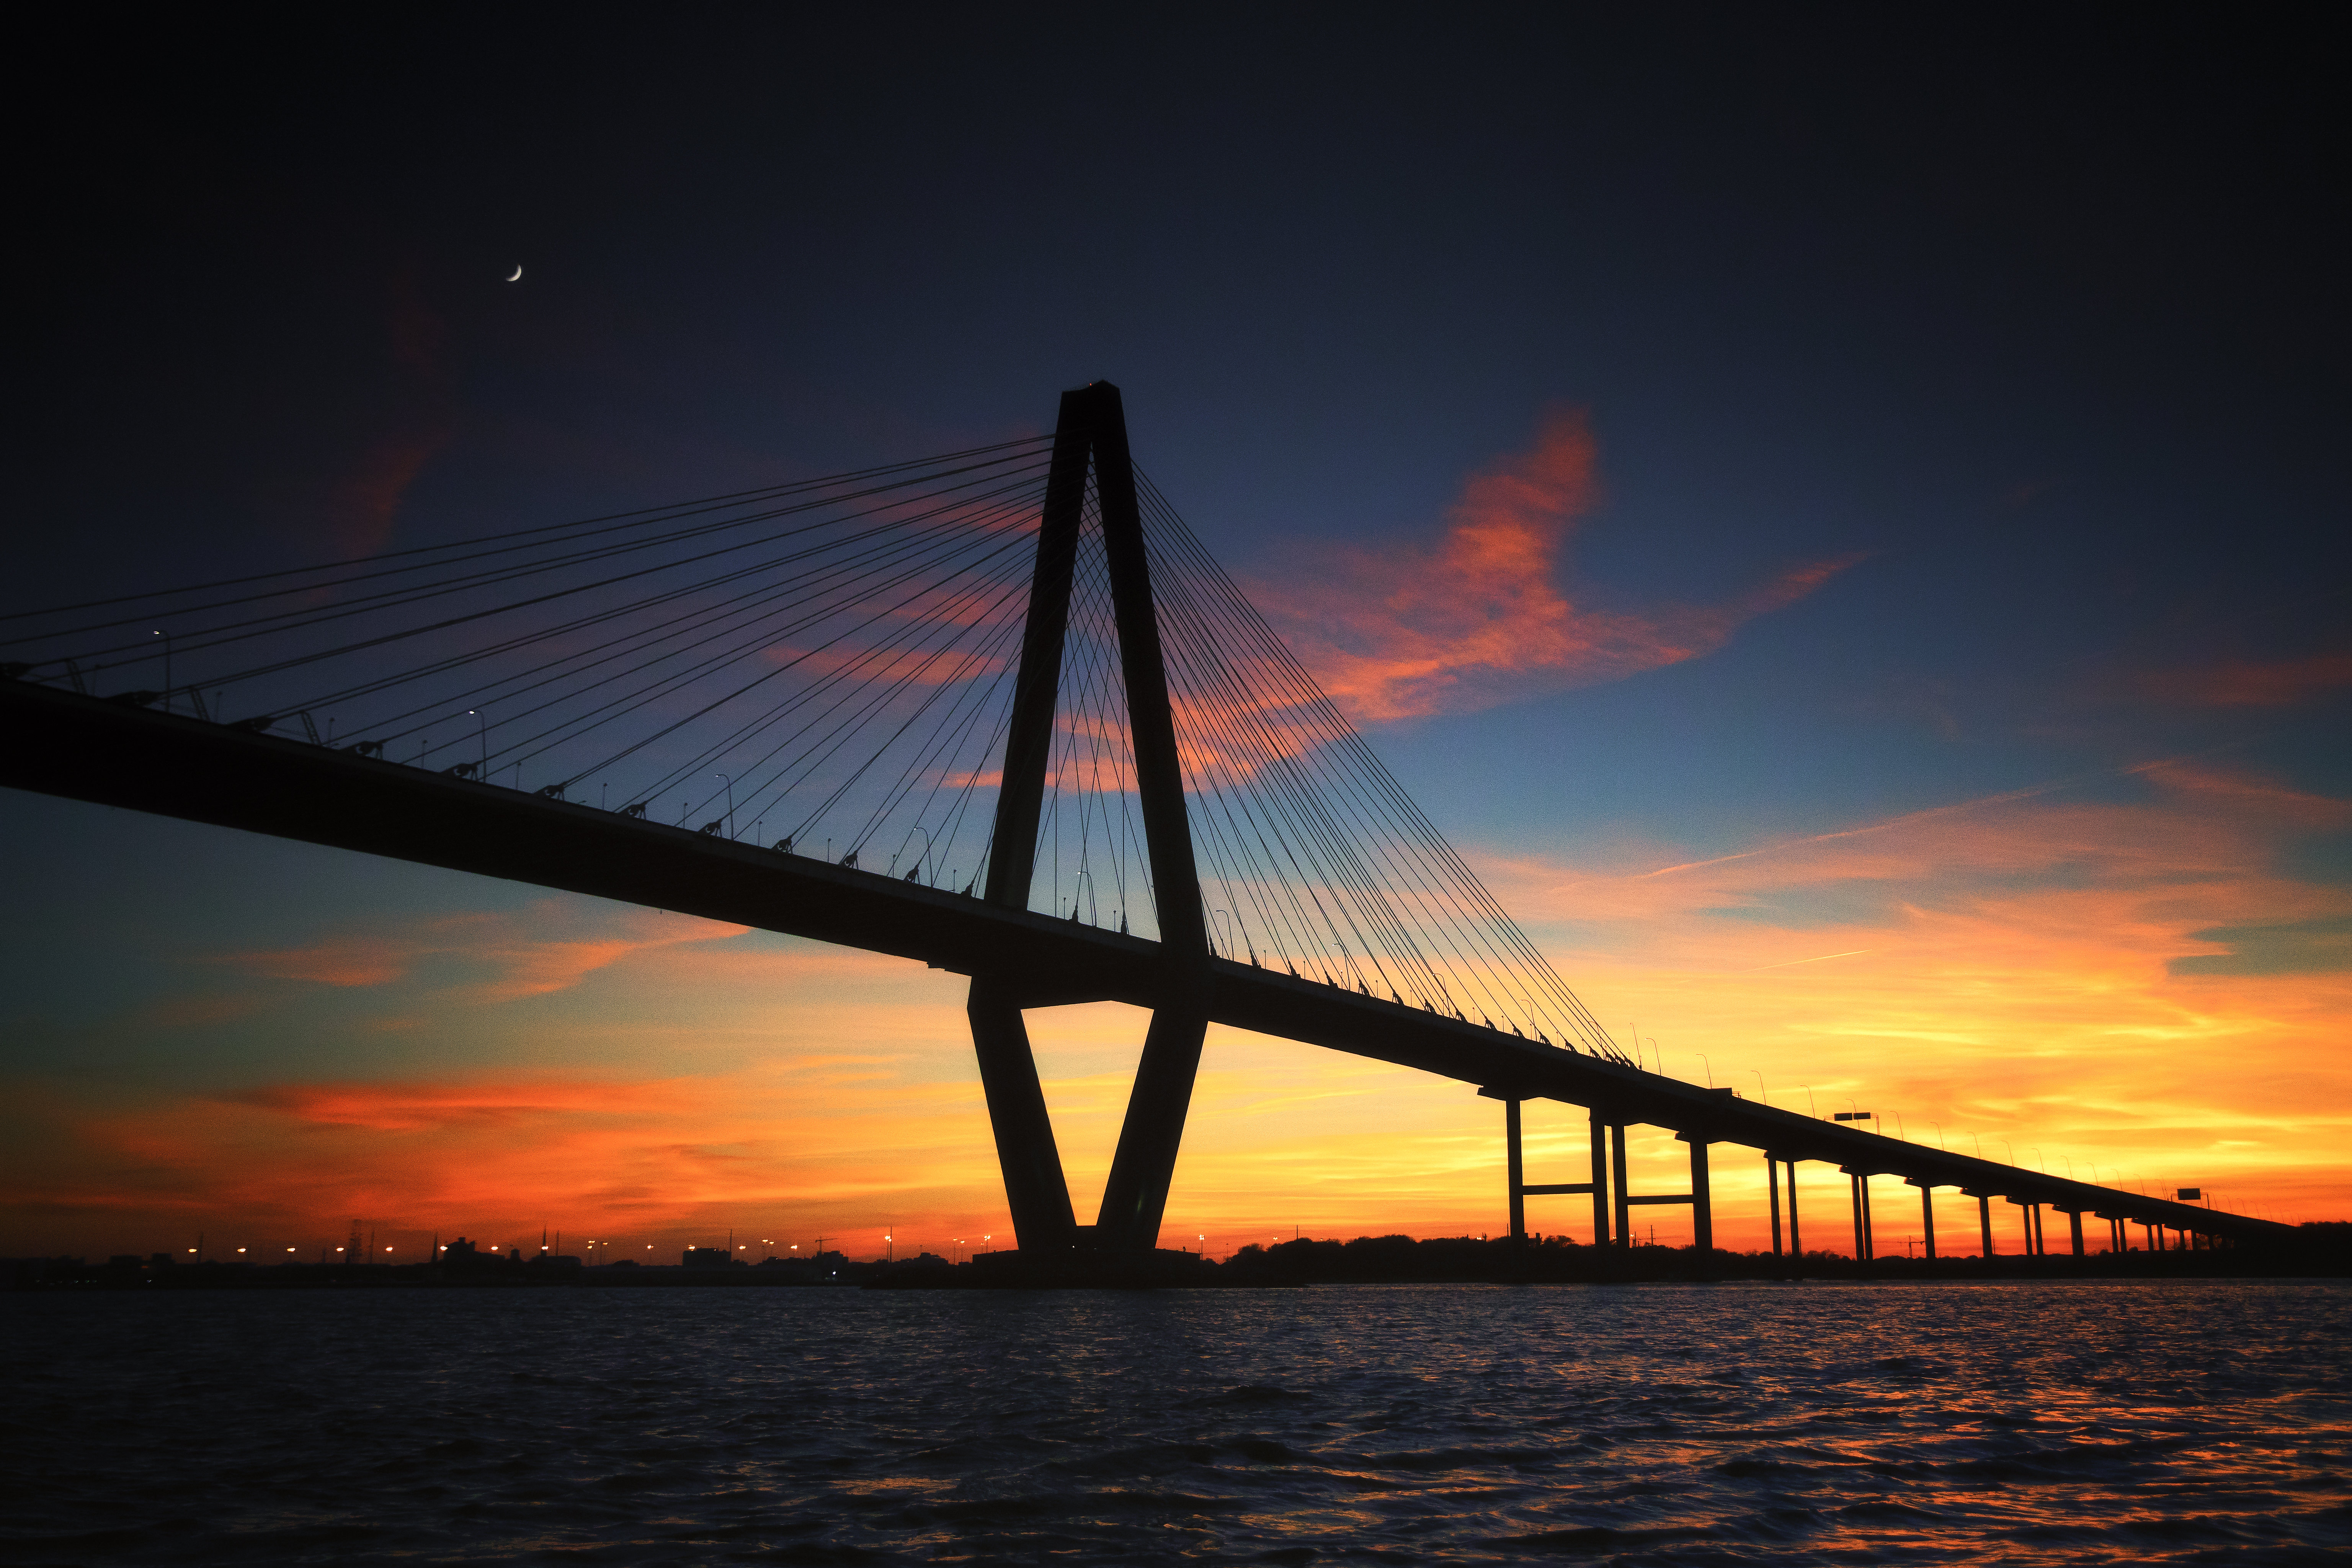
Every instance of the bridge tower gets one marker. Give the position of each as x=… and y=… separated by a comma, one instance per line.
x=1091, y=436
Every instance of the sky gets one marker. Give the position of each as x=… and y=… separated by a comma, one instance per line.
x=1839, y=515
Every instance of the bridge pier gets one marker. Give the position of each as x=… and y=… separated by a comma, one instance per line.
x=1521, y=1189
x=2075, y=1219
x=1864, y=1245
x=1772, y=1188
x=1702, y=1199
x=1600, y=1180
x=1796, y=1241
x=1927, y=1216
x=1625, y=1201
x=1515, y=1168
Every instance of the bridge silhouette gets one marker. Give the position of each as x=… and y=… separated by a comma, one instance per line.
x=1029, y=620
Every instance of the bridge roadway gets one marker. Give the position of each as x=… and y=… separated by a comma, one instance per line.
x=113, y=753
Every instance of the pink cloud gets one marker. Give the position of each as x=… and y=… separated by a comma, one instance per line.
x=1479, y=618
x=2243, y=683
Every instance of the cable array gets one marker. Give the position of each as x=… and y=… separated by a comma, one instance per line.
x=827, y=667
x=823, y=665
x=1312, y=856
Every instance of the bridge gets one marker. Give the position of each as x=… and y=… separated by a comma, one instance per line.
x=1030, y=621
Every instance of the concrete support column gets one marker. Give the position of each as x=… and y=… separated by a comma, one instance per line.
x=2040, y=1251
x=1702, y=1208
x=2075, y=1219
x=1516, y=1165
x=1772, y=1191
x=1853, y=1196
x=1624, y=1209
x=1984, y=1220
x=1928, y=1217
x=1600, y=1181
x=1796, y=1241
x=2025, y=1223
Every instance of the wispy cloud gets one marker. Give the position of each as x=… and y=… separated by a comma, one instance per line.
x=530, y=952
x=1481, y=617
x=2246, y=683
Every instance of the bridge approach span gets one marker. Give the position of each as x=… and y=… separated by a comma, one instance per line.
x=84, y=748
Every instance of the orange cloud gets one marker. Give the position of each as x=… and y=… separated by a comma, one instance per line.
x=530, y=952
x=2243, y=683
x=1479, y=619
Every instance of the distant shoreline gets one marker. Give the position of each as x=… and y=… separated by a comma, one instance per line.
x=1290, y=1266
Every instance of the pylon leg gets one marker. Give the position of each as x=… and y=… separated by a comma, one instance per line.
x=1034, y=1188
x=1136, y=1198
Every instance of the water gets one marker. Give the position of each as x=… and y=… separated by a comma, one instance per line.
x=2089, y=1422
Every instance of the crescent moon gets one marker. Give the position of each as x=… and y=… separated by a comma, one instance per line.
x=518, y=273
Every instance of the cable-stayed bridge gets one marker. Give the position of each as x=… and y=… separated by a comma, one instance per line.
x=998, y=710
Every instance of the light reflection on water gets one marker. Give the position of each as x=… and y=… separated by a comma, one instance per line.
x=2084, y=1421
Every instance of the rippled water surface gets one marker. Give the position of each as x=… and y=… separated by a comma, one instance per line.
x=1814, y=1422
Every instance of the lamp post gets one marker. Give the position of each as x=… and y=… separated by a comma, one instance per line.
x=1759, y=1086
x=731, y=805
x=1939, y=1136
x=482, y=734
x=1710, y=1067
x=167, y=669
x=1809, y=1101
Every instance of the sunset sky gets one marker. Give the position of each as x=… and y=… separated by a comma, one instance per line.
x=1839, y=515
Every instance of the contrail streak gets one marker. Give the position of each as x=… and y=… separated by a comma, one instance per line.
x=1794, y=962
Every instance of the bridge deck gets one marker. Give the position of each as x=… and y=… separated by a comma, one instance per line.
x=89, y=749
